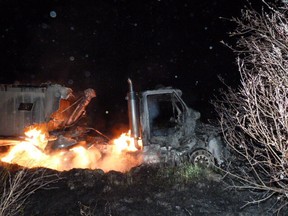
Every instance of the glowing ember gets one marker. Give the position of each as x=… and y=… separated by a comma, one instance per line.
x=32, y=153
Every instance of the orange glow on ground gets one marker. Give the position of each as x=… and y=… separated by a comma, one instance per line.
x=121, y=155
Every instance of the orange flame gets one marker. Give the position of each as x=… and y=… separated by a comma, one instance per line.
x=31, y=153
x=126, y=143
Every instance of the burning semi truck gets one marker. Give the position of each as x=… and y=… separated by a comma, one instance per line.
x=39, y=128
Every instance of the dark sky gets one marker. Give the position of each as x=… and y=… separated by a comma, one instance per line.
x=100, y=43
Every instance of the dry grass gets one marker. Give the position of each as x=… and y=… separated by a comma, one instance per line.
x=18, y=186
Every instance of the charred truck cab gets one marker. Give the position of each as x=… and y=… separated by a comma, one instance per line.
x=171, y=131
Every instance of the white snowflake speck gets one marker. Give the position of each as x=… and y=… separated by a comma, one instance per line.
x=44, y=26
x=53, y=14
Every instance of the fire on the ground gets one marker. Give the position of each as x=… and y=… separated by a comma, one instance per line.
x=121, y=154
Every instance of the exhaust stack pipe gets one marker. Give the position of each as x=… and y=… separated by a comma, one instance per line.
x=133, y=113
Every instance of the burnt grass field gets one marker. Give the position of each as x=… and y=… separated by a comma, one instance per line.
x=144, y=190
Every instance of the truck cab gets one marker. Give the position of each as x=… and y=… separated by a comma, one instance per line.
x=172, y=132
x=164, y=114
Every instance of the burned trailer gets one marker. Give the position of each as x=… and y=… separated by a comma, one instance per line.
x=171, y=131
x=52, y=106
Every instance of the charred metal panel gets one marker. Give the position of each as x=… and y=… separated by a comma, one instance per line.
x=53, y=95
x=21, y=106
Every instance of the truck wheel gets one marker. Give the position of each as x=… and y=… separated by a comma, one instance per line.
x=202, y=158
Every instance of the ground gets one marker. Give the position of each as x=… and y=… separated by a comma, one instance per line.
x=142, y=191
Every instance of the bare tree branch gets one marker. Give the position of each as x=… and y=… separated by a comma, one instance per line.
x=254, y=117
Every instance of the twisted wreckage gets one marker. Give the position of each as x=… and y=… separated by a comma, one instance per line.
x=168, y=129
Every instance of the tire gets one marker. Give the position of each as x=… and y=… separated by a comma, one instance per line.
x=202, y=158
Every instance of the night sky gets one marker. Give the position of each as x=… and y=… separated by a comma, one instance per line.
x=100, y=43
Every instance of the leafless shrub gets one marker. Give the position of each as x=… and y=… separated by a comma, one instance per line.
x=89, y=210
x=254, y=117
x=86, y=210
x=18, y=186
